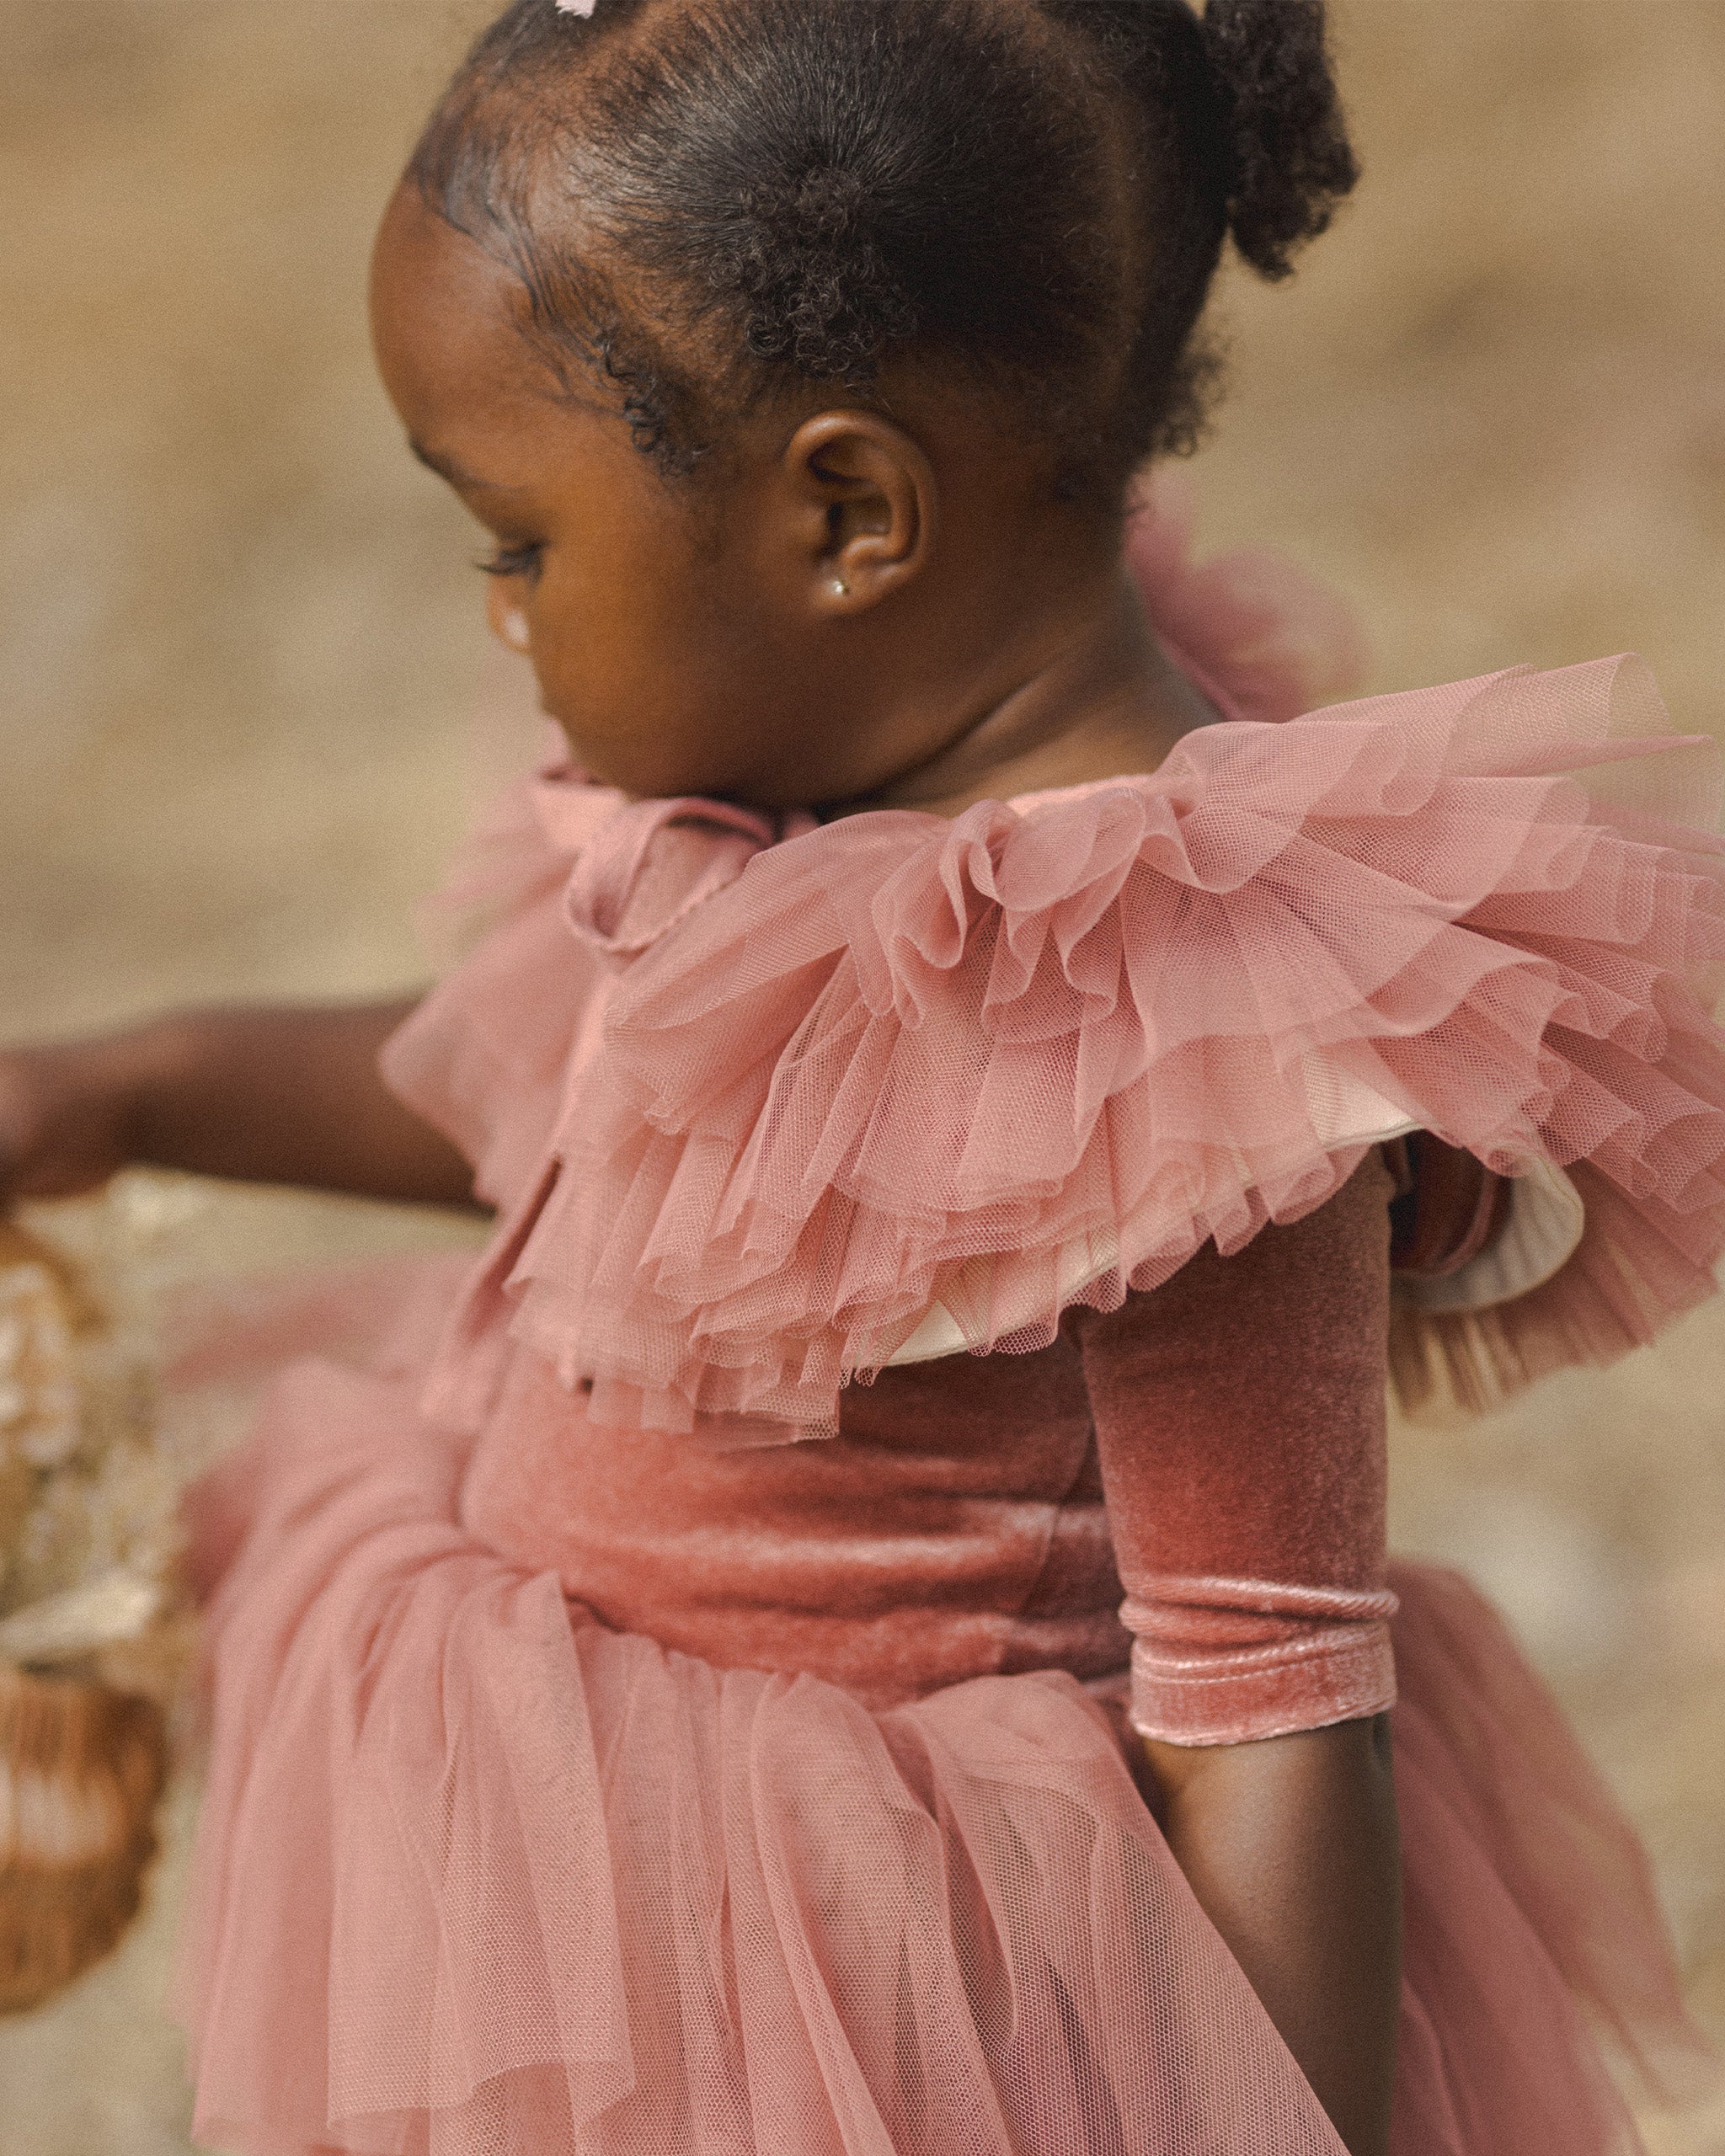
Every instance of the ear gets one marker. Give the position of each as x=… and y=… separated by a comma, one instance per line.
x=865, y=506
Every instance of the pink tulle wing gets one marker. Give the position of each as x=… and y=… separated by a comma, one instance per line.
x=1265, y=640
x=905, y=1087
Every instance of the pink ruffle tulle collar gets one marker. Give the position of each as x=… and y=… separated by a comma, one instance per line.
x=896, y=1086
x=641, y=868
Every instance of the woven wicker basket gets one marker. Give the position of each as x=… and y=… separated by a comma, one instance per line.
x=83, y=1749
x=81, y=1770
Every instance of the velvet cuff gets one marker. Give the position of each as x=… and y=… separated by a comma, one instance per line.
x=1223, y=1661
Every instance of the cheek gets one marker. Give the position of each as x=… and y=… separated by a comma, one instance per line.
x=628, y=671
x=656, y=651
x=506, y=615
x=594, y=615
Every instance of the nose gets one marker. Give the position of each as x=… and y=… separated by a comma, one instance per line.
x=507, y=619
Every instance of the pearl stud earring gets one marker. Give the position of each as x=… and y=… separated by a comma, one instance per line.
x=841, y=589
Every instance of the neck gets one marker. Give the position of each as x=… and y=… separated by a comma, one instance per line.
x=1109, y=704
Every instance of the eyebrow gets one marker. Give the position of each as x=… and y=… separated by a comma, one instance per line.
x=457, y=475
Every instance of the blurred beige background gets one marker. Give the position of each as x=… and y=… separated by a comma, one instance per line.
x=240, y=644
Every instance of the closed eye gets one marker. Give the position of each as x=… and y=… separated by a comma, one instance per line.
x=514, y=561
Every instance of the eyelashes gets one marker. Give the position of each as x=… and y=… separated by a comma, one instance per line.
x=513, y=561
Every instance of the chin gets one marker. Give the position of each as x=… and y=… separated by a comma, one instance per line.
x=647, y=777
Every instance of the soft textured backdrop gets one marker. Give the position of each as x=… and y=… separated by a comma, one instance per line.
x=239, y=644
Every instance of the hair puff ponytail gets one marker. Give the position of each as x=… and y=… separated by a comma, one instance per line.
x=1292, y=163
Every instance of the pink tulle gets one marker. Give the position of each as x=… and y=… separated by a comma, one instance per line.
x=991, y=1068
x=1261, y=638
x=478, y=1874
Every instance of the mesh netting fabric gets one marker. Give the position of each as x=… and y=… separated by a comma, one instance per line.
x=900, y=1070
x=1485, y=1760
x=477, y=1877
x=481, y=1875
x=1261, y=638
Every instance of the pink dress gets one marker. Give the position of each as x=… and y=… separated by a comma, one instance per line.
x=672, y=1698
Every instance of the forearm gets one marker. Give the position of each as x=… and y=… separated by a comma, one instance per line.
x=287, y=1095
x=1290, y=1847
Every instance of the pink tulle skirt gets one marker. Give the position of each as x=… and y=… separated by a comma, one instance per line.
x=477, y=1877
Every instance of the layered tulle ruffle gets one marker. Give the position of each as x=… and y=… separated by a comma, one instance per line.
x=899, y=1086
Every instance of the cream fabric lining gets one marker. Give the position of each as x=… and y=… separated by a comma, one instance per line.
x=1545, y=1228
x=1546, y=1222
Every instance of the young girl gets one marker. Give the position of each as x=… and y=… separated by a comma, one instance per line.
x=863, y=1628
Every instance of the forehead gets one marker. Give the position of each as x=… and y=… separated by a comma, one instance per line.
x=447, y=320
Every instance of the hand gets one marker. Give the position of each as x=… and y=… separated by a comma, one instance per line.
x=69, y=1113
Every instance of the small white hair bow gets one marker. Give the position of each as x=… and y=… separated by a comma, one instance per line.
x=575, y=6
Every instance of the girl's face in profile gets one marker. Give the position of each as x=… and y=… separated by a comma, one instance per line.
x=601, y=571
x=826, y=612
x=684, y=636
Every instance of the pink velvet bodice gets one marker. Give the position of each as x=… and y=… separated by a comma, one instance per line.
x=1214, y=1452
x=955, y=1528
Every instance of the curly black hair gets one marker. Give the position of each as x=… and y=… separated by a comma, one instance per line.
x=707, y=202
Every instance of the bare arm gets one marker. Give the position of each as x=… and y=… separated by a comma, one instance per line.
x=269, y=1094
x=1239, y=1426
x=1290, y=1846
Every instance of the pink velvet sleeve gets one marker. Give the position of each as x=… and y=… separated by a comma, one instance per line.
x=1240, y=1416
